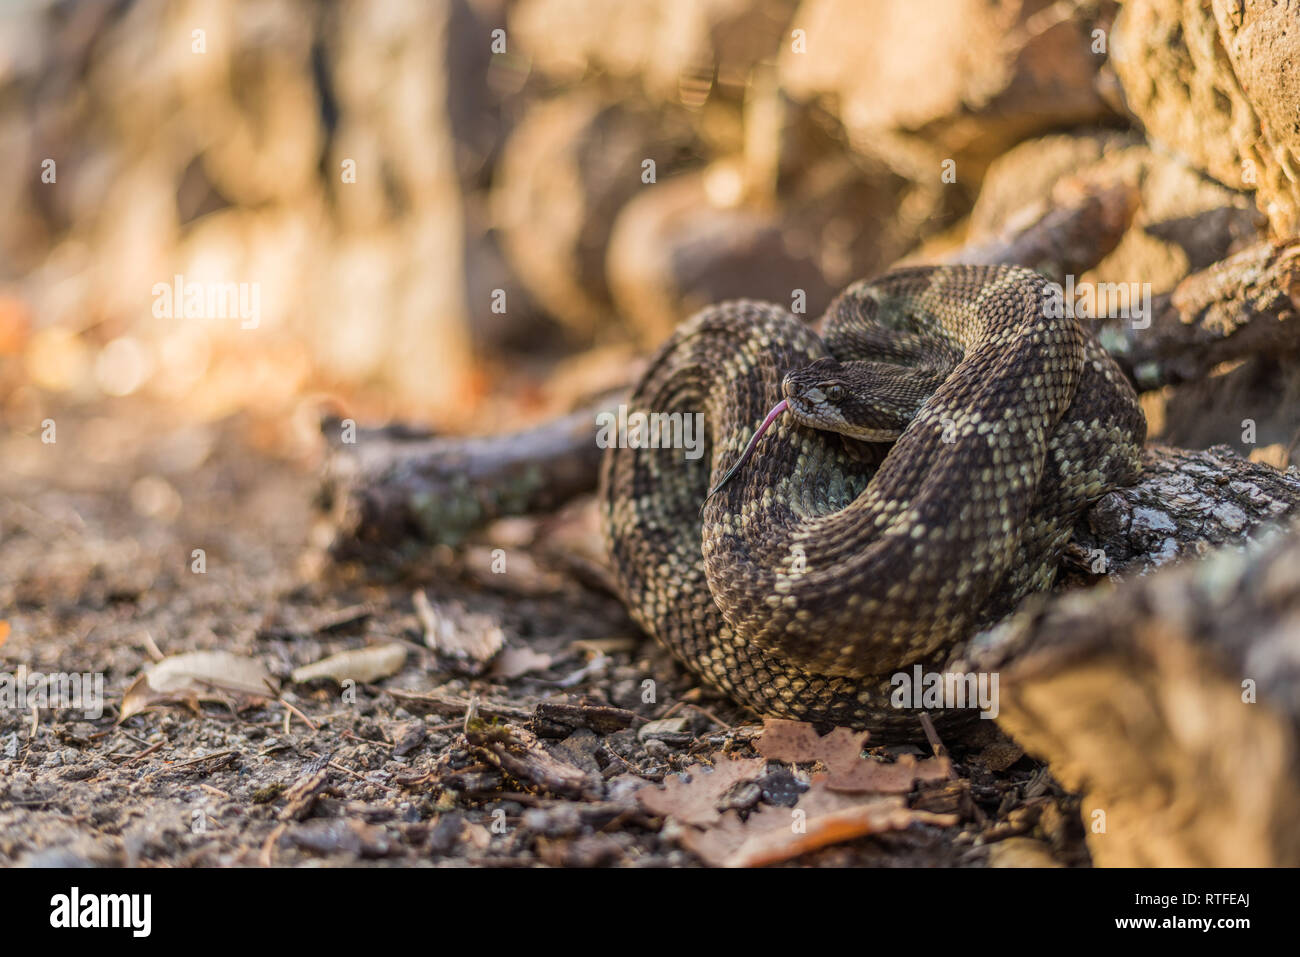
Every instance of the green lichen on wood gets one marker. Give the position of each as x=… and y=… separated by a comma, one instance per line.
x=448, y=518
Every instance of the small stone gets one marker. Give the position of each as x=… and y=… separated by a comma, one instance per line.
x=665, y=728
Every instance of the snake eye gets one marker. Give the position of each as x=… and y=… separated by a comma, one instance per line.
x=834, y=392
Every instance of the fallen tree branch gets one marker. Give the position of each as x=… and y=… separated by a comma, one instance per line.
x=1184, y=505
x=388, y=489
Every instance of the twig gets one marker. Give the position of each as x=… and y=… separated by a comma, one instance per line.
x=268, y=846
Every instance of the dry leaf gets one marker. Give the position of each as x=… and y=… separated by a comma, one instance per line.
x=822, y=817
x=197, y=675
x=798, y=742
x=453, y=632
x=362, y=665
x=220, y=670
x=695, y=801
x=841, y=752
x=514, y=662
x=879, y=777
x=4, y=632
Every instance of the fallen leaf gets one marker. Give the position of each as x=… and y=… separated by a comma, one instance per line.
x=194, y=676
x=880, y=777
x=822, y=817
x=455, y=633
x=362, y=665
x=695, y=801
x=798, y=742
x=514, y=662
x=841, y=753
x=221, y=670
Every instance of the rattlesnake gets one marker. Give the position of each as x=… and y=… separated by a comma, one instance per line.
x=830, y=563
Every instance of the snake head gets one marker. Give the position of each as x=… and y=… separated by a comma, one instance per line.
x=868, y=401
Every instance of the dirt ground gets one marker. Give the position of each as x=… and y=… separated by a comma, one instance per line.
x=97, y=539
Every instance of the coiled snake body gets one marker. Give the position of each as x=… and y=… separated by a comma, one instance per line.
x=832, y=561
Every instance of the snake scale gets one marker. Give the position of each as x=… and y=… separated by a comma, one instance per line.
x=929, y=455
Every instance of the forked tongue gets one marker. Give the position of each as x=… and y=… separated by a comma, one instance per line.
x=749, y=450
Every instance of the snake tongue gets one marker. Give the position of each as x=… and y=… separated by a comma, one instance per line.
x=749, y=450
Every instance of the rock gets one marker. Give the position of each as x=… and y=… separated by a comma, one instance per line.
x=1184, y=221
x=664, y=728
x=412, y=736
x=1219, y=84
x=965, y=81
x=447, y=833
x=579, y=749
x=675, y=49
x=1170, y=704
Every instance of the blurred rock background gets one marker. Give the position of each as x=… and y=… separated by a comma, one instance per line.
x=476, y=212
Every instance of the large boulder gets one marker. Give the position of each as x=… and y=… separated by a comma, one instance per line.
x=1220, y=84
x=676, y=51
x=1185, y=221
x=960, y=80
